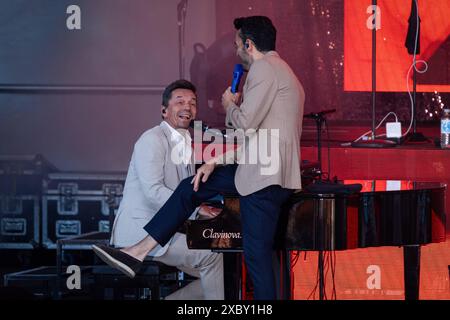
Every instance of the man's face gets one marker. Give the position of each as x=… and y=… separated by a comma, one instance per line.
x=241, y=52
x=182, y=108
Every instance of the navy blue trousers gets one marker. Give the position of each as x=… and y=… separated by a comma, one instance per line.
x=259, y=214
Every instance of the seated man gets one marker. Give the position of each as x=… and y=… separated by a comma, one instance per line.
x=161, y=159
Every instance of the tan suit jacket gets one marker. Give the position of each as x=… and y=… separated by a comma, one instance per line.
x=273, y=98
x=152, y=177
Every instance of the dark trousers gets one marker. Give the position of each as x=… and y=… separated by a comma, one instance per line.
x=259, y=214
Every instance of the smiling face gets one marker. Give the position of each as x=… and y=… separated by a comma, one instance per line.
x=181, y=109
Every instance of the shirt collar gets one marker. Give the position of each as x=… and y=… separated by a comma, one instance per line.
x=178, y=134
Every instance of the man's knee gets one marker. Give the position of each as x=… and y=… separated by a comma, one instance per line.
x=185, y=186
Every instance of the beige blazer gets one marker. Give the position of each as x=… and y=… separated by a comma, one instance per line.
x=152, y=177
x=273, y=98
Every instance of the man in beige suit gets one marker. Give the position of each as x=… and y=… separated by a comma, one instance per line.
x=162, y=157
x=271, y=109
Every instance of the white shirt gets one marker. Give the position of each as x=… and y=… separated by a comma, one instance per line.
x=182, y=152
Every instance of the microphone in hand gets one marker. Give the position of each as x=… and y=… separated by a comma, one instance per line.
x=237, y=75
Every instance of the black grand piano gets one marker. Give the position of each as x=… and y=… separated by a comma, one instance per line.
x=384, y=213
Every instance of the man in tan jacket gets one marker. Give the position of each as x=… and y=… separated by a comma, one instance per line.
x=271, y=109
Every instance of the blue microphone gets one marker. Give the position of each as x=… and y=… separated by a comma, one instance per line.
x=237, y=75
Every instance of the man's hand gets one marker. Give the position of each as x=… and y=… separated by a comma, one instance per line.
x=203, y=174
x=229, y=99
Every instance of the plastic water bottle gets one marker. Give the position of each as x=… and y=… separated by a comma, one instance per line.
x=445, y=129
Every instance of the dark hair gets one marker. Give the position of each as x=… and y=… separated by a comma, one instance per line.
x=259, y=29
x=179, y=84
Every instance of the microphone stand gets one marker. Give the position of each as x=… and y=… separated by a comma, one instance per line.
x=415, y=136
x=374, y=143
x=181, y=20
x=320, y=119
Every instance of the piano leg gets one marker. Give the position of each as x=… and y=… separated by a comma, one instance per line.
x=232, y=275
x=321, y=276
x=411, y=271
x=282, y=270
